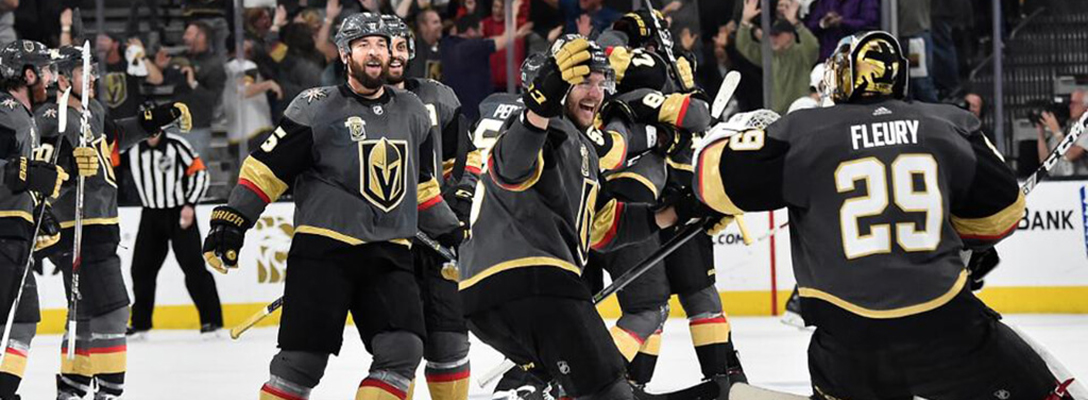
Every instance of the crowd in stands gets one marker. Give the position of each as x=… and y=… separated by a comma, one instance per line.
x=287, y=48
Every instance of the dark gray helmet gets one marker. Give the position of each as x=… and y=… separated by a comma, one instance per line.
x=22, y=53
x=360, y=25
x=398, y=29
x=71, y=57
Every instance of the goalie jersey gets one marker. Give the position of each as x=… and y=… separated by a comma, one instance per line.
x=18, y=137
x=881, y=198
x=355, y=164
x=538, y=210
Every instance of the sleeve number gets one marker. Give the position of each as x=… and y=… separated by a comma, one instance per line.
x=273, y=140
x=642, y=60
x=906, y=169
x=751, y=140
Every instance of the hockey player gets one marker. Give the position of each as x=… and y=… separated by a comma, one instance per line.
x=102, y=311
x=446, y=347
x=539, y=209
x=674, y=115
x=882, y=195
x=356, y=155
x=25, y=73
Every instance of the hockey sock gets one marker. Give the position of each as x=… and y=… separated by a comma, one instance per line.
x=448, y=381
x=281, y=389
x=710, y=335
x=641, y=369
x=294, y=373
x=382, y=385
x=635, y=326
x=448, y=368
x=11, y=372
x=626, y=341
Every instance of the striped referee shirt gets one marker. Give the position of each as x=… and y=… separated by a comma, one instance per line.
x=168, y=175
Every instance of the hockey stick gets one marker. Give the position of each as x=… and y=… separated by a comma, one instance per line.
x=1051, y=160
x=267, y=310
x=725, y=93
x=666, y=40
x=62, y=101
x=81, y=187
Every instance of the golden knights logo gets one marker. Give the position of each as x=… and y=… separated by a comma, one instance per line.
x=383, y=176
x=274, y=236
x=116, y=89
x=357, y=127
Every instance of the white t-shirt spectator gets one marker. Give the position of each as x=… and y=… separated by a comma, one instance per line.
x=254, y=116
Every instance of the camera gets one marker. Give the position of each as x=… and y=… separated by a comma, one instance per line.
x=1059, y=106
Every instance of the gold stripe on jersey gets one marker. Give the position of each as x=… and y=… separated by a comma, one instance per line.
x=91, y=221
x=331, y=234
x=893, y=313
x=17, y=214
x=994, y=226
x=427, y=191
x=257, y=173
x=673, y=109
x=528, y=183
x=474, y=161
x=519, y=263
x=605, y=224
x=708, y=180
x=616, y=155
x=679, y=165
x=639, y=178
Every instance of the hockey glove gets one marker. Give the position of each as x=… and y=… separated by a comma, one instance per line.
x=637, y=27
x=569, y=67
x=460, y=201
x=454, y=237
x=225, y=238
x=22, y=174
x=655, y=107
x=687, y=75
x=49, y=232
x=688, y=207
x=86, y=161
x=160, y=117
x=980, y=264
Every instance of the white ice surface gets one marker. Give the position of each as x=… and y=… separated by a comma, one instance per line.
x=180, y=365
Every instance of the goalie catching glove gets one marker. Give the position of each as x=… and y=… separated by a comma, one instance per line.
x=159, y=117
x=22, y=174
x=225, y=238
x=569, y=66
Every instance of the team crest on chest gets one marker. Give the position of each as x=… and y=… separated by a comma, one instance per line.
x=357, y=127
x=383, y=177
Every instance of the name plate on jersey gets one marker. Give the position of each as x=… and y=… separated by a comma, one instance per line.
x=885, y=133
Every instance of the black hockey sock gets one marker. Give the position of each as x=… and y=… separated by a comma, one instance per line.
x=78, y=385
x=111, y=384
x=9, y=384
x=641, y=369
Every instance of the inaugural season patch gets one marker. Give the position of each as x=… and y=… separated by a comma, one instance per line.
x=383, y=178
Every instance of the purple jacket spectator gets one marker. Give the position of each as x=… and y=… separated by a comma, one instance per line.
x=854, y=16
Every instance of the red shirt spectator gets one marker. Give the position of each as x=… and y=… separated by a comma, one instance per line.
x=495, y=25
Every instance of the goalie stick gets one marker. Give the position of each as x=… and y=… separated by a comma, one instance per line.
x=267, y=310
x=81, y=190
x=62, y=101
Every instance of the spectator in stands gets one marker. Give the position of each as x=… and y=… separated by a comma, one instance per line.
x=253, y=117
x=586, y=17
x=7, y=21
x=948, y=16
x=199, y=83
x=127, y=67
x=301, y=69
x=974, y=104
x=495, y=25
x=795, y=50
x=466, y=61
x=915, y=22
x=831, y=20
x=428, y=63
x=213, y=14
x=1051, y=133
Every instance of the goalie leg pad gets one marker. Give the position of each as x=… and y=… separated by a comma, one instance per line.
x=448, y=368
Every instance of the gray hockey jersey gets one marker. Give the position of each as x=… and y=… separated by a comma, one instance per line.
x=18, y=138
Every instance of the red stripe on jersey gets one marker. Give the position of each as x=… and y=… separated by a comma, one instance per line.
x=429, y=203
x=612, y=229
x=998, y=236
x=256, y=189
x=683, y=110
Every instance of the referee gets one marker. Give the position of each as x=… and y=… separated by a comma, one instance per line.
x=170, y=178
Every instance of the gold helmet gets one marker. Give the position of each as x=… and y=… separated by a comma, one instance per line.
x=866, y=65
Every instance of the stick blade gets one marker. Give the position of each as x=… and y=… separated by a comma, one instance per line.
x=725, y=93
x=62, y=109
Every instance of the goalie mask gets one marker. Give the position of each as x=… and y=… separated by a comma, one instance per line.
x=866, y=65
x=738, y=123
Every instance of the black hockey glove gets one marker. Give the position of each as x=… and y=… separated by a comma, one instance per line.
x=639, y=27
x=225, y=238
x=49, y=232
x=454, y=237
x=22, y=174
x=570, y=66
x=688, y=207
x=156, y=118
x=980, y=264
x=460, y=201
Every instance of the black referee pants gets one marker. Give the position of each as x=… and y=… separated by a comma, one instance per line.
x=158, y=229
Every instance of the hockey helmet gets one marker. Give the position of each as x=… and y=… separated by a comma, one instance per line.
x=866, y=65
x=530, y=67
x=23, y=53
x=71, y=57
x=598, y=61
x=398, y=29
x=360, y=25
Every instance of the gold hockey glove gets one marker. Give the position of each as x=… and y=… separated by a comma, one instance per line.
x=86, y=161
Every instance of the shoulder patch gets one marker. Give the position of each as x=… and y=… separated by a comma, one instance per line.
x=50, y=113
x=313, y=94
x=10, y=103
